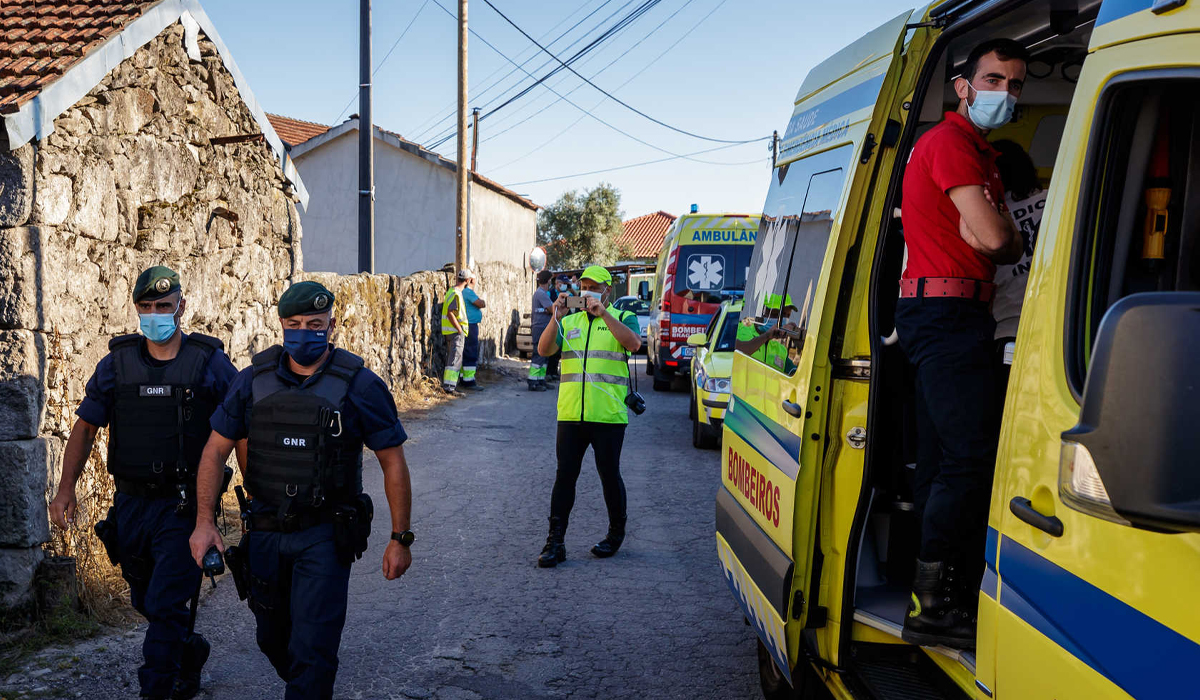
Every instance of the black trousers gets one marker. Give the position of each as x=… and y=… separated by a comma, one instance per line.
x=950, y=342
x=605, y=440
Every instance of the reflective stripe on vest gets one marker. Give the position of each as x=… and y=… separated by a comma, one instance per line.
x=595, y=371
x=451, y=295
x=160, y=416
x=298, y=450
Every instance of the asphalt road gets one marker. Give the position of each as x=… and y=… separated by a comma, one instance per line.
x=474, y=617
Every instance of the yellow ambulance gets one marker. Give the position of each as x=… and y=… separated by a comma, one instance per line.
x=1092, y=556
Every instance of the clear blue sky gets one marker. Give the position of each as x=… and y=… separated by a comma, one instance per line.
x=734, y=77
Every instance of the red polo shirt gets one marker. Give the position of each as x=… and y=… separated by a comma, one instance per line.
x=949, y=155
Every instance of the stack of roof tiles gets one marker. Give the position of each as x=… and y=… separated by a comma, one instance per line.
x=41, y=39
x=644, y=235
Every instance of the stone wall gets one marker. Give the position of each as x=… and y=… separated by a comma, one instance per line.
x=128, y=179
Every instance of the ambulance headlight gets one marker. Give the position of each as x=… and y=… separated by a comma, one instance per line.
x=716, y=384
x=1080, y=485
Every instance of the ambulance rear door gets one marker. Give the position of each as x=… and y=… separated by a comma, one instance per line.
x=774, y=440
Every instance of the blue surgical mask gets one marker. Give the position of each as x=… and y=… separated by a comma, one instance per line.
x=305, y=346
x=157, y=328
x=992, y=109
x=562, y=287
x=598, y=296
x=769, y=324
x=575, y=287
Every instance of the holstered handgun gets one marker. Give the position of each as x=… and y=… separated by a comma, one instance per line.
x=239, y=569
x=106, y=530
x=243, y=507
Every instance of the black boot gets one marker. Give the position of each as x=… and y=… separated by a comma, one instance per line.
x=554, y=551
x=612, y=541
x=195, y=655
x=939, y=613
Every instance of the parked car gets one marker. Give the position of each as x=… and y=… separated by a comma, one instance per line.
x=712, y=365
x=639, y=307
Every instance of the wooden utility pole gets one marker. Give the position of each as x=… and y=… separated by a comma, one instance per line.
x=460, y=242
x=366, y=150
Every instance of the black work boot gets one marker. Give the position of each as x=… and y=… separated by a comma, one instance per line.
x=195, y=655
x=533, y=384
x=612, y=541
x=554, y=551
x=939, y=613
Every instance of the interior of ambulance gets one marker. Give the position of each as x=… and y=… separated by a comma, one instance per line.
x=1144, y=156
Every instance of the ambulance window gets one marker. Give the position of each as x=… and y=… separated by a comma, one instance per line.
x=1139, y=223
x=797, y=220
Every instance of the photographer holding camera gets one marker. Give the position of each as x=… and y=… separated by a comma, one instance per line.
x=593, y=395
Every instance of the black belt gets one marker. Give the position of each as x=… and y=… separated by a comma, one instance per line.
x=153, y=490
x=293, y=522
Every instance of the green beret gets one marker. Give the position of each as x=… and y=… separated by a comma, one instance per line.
x=155, y=283
x=305, y=299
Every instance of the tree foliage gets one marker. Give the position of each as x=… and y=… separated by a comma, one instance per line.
x=582, y=228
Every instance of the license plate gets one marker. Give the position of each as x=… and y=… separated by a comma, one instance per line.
x=689, y=351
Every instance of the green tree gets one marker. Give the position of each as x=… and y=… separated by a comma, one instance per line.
x=582, y=229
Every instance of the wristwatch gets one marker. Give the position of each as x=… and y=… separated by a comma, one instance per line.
x=405, y=538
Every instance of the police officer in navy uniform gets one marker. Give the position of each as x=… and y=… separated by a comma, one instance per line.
x=156, y=393
x=305, y=410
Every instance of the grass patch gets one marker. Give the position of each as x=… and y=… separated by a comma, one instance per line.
x=63, y=625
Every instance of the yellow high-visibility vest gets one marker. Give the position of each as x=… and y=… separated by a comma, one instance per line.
x=594, y=371
x=451, y=296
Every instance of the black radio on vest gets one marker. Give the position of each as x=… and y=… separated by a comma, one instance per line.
x=160, y=420
x=299, y=455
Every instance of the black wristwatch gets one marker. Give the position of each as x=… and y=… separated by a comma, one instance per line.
x=405, y=538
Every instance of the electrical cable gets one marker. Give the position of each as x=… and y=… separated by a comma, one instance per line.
x=614, y=98
x=441, y=131
x=633, y=15
x=541, y=110
x=593, y=116
x=422, y=127
x=386, y=57
x=602, y=101
x=649, y=162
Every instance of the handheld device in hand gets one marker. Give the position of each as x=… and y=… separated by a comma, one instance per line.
x=214, y=565
x=576, y=302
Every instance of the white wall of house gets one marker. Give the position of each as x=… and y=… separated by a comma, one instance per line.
x=414, y=212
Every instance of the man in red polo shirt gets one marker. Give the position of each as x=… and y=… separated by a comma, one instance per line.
x=956, y=231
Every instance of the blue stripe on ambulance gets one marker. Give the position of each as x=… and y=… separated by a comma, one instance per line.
x=773, y=441
x=1142, y=656
x=1113, y=10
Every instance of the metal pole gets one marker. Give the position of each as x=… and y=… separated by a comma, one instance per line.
x=366, y=149
x=474, y=139
x=460, y=241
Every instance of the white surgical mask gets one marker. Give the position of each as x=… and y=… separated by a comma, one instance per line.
x=992, y=109
x=598, y=296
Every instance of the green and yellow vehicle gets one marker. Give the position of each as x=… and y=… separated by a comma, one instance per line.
x=712, y=364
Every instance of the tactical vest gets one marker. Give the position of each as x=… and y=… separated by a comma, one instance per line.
x=160, y=421
x=594, y=379
x=452, y=295
x=299, y=456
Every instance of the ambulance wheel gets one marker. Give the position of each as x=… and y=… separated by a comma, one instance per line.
x=702, y=436
x=692, y=404
x=776, y=687
x=649, y=364
x=661, y=382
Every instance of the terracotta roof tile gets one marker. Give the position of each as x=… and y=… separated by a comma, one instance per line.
x=643, y=237
x=41, y=39
x=294, y=131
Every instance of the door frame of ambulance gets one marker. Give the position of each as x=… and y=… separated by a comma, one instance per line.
x=1114, y=641
x=769, y=565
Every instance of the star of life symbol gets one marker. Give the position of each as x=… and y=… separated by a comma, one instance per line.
x=706, y=271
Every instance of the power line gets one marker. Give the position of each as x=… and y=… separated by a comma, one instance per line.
x=632, y=16
x=434, y=120
x=386, y=57
x=441, y=132
x=646, y=162
x=612, y=97
x=603, y=100
x=625, y=52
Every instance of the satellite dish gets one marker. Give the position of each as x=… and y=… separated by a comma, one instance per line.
x=537, y=259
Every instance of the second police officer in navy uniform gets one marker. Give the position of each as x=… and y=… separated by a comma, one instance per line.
x=155, y=392
x=305, y=410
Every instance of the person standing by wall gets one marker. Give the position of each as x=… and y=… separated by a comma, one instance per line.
x=474, y=306
x=156, y=393
x=591, y=406
x=539, y=318
x=454, y=331
x=956, y=230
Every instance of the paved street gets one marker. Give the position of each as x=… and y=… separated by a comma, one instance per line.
x=474, y=617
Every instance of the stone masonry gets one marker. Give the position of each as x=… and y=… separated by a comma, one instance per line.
x=129, y=178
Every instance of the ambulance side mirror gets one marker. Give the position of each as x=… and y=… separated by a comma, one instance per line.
x=644, y=290
x=1136, y=449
